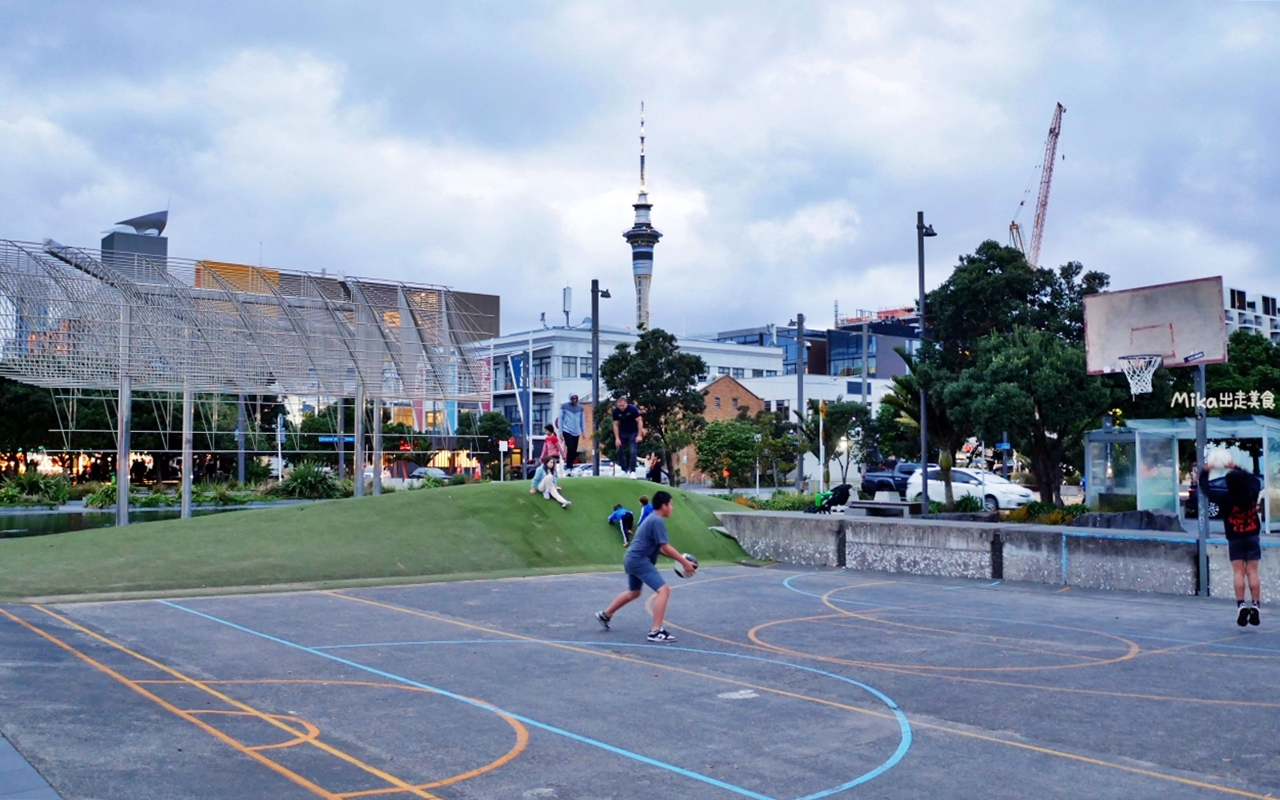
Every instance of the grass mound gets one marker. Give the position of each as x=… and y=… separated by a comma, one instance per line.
x=481, y=530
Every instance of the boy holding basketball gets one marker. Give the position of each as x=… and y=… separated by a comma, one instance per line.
x=1239, y=504
x=641, y=568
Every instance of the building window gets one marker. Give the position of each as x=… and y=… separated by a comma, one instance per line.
x=1238, y=300
x=735, y=404
x=768, y=405
x=771, y=373
x=703, y=378
x=717, y=402
x=568, y=366
x=1269, y=306
x=781, y=407
x=722, y=370
x=757, y=373
x=739, y=372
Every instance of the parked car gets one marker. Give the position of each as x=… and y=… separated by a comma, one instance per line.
x=894, y=480
x=994, y=491
x=584, y=470
x=435, y=473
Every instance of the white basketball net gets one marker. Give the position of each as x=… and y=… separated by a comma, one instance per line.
x=1139, y=369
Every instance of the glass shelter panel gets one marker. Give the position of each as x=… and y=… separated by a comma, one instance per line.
x=1271, y=478
x=1157, y=480
x=1111, y=474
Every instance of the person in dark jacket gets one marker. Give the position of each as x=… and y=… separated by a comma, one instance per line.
x=1239, y=504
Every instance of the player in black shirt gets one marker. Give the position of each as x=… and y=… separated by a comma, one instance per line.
x=628, y=428
x=1239, y=504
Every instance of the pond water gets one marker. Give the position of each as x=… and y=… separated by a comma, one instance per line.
x=13, y=526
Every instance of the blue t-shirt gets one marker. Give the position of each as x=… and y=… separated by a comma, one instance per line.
x=651, y=535
x=645, y=511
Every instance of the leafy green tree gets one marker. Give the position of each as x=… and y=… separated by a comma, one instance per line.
x=29, y=419
x=894, y=435
x=727, y=446
x=1033, y=385
x=777, y=447
x=842, y=418
x=483, y=434
x=662, y=381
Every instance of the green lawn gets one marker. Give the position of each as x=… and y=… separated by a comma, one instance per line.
x=483, y=530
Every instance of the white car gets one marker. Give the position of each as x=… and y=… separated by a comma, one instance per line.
x=994, y=491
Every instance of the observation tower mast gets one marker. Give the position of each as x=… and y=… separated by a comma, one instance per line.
x=642, y=237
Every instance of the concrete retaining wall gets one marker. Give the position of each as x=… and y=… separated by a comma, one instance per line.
x=1135, y=561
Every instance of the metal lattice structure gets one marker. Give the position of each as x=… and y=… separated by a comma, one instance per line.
x=77, y=318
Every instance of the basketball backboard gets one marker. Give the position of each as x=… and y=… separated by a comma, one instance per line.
x=1182, y=322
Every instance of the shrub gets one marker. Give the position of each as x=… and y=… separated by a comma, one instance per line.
x=786, y=501
x=459, y=479
x=1037, y=507
x=80, y=491
x=743, y=500
x=158, y=498
x=968, y=503
x=308, y=481
x=103, y=496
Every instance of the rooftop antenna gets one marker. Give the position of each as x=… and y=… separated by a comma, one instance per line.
x=568, y=304
x=642, y=189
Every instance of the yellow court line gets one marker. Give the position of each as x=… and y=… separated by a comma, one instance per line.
x=963, y=634
x=312, y=732
x=331, y=750
x=1133, y=650
x=165, y=704
x=522, y=733
x=832, y=703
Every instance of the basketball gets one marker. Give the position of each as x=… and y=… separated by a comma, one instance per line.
x=680, y=567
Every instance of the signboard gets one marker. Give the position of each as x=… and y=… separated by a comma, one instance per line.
x=503, y=446
x=334, y=439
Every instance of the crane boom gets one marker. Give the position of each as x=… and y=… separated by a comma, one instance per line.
x=1046, y=180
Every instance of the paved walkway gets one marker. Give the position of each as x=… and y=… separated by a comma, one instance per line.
x=18, y=779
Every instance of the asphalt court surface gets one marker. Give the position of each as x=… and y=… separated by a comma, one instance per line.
x=784, y=684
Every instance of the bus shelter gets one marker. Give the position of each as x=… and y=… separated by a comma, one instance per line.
x=1136, y=466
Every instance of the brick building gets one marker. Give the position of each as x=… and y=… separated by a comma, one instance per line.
x=726, y=399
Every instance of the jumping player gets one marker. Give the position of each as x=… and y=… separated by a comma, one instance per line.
x=1239, y=504
x=641, y=567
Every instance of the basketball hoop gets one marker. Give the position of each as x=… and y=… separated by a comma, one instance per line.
x=1139, y=369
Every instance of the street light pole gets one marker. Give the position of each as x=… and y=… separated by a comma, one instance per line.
x=922, y=231
x=800, y=367
x=596, y=294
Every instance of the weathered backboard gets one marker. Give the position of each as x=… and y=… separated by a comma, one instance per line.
x=1182, y=322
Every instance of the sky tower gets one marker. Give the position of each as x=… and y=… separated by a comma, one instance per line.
x=642, y=237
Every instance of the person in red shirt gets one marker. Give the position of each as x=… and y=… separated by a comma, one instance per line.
x=1239, y=505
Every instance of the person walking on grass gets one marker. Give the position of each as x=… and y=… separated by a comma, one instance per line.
x=640, y=564
x=628, y=430
x=1239, y=505
x=571, y=422
x=551, y=445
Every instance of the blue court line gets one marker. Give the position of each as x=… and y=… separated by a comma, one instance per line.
x=904, y=726
x=787, y=583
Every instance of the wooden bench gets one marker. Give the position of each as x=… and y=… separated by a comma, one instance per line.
x=886, y=508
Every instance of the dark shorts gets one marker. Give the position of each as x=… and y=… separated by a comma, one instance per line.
x=1247, y=549
x=643, y=574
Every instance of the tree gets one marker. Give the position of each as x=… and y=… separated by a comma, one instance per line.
x=841, y=420
x=484, y=433
x=663, y=382
x=777, y=447
x=894, y=435
x=29, y=417
x=728, y=446
x=1033, y=385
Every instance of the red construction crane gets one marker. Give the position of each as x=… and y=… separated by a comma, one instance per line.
x=1042, y=201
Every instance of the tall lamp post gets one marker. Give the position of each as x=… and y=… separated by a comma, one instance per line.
x=922, y=231
x=801, y=363
x=596, y=294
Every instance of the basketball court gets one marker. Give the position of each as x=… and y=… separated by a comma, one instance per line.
x=783, y=684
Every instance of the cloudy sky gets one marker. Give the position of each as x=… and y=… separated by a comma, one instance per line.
x=493, y=146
